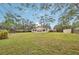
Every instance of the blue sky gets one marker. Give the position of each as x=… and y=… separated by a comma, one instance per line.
x=28, y=13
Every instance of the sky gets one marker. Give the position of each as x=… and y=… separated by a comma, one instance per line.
x=28, y=13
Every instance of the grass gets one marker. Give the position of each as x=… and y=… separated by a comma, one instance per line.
x=40, y=44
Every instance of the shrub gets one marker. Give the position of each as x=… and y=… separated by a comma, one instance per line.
x=3, y=34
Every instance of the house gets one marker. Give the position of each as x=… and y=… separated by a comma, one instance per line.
x=39, y=28
x=67, y=30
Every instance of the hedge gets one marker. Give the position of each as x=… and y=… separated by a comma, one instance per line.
x=3, y=34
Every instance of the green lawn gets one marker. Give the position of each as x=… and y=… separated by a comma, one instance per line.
x=40, y=43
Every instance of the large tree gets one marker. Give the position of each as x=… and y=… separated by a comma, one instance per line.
x=45, y=21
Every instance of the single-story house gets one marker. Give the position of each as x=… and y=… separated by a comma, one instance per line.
x=67, y=30
x=39, y=29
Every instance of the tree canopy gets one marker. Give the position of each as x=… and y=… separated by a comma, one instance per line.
x=68, y=14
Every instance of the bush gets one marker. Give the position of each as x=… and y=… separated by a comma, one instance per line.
x=3, y=34
x=50, y=30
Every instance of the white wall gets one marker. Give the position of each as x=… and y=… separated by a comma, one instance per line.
x=67, y=30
